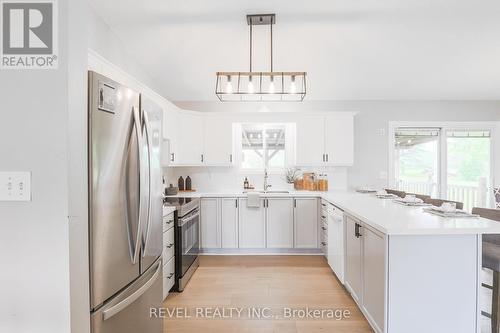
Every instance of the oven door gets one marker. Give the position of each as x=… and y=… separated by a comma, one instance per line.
x=190, y=246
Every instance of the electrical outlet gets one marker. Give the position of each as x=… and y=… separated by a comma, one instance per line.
x=15, y=186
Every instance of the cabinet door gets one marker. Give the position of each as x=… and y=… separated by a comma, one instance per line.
x=170, y=136
x=252, y=225
x=339, y=140
x=229, y=223
x=218, y=141
x=353, y=259
x=210, y=229
x=190, y=139
x=279, y=223
x=305, y=223
x=374, y=249
x=310, y=141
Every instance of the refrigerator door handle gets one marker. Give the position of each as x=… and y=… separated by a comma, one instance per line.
x=148, y=220
x=137, y=125
x=106, y=314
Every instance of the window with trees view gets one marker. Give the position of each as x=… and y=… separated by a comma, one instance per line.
x=453, y=164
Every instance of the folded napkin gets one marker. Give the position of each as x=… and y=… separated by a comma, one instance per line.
x=253, y=199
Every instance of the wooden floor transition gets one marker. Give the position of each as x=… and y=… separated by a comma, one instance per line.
x=268, y=284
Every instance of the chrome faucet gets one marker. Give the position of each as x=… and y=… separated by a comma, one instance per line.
x=266, y=177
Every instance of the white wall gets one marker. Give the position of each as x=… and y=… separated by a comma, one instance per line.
x=106, y=43
x=34, y=241
x=371, y=125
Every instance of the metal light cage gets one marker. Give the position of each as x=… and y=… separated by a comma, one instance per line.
x=261, y=86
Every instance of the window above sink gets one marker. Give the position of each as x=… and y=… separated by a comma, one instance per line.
x=262, y=146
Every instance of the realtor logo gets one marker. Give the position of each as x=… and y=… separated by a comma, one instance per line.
x=29, y=34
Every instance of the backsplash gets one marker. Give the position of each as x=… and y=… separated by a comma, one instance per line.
x=217, y=179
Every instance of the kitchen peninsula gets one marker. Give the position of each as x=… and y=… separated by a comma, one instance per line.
x=408, y=271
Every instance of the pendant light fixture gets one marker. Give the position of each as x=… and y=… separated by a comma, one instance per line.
x=261, y=86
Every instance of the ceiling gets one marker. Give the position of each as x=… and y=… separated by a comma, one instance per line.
x=352, y=50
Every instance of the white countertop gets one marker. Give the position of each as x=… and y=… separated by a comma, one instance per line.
x=382, y=214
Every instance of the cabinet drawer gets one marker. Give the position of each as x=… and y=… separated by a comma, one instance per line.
x=168, y=221
x=324, y=225
x=168, y=245
x=324, y=204
x=168, y=276
x=330, y=209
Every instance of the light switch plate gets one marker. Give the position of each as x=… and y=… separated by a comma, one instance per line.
x=15, y=186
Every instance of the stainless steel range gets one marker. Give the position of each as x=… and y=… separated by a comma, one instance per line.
x=187, y=233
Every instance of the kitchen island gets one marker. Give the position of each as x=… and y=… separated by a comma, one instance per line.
x=408, y=271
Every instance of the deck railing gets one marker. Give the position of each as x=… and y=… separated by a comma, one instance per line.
x=471, y=196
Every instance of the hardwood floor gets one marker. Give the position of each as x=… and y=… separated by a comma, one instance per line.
x=268, y=284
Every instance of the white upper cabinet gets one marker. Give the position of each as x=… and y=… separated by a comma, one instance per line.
x=170, y=131
x=325, y=140
x=218, y=141
x=310, y=141
x=279, y=223
x=339, y=140
x=190, y=139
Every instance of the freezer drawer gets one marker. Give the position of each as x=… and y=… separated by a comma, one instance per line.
x=128, y=312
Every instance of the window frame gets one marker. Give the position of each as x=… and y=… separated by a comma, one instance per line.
x=289, y=147
x=444, y=126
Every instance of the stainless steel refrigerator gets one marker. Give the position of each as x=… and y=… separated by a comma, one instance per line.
x=125, y=208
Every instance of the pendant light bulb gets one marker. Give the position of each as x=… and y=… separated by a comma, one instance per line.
x=229, y=85
x=250, y=85
x=271, y=85
x=293, y=85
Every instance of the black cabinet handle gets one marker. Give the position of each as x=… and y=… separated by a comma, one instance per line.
x=231, y=158
x=356, y=230
x=236, y=203
x=201, y=158
x=295, y=203
x=172, y=157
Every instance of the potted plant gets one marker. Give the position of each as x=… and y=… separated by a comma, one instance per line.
x=291, y=175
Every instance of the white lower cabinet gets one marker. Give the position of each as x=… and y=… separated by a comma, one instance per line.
x=229, y=223
x=305, y=223
x=210, y=223
x=168, y=253
x=353, y=273
x=365, y=274
x=168, y=276
x=279, y=223
x=252, y=225
x=374, y=273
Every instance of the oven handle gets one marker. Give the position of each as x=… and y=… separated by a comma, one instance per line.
x=185, y=220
